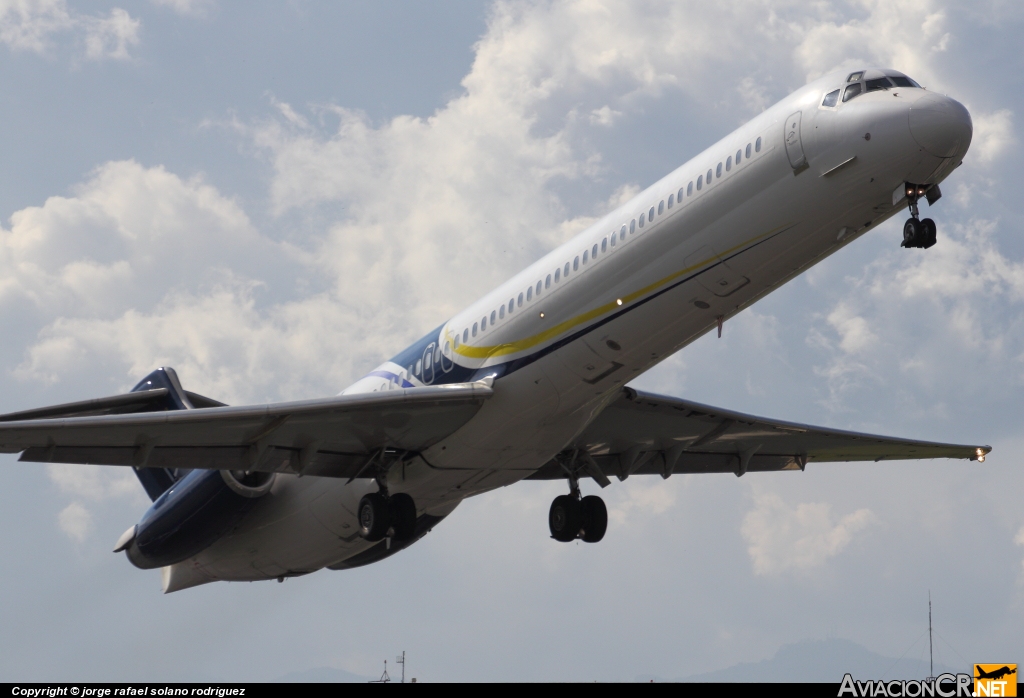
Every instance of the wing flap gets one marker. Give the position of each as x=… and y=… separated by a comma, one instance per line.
x=330, y=437
x=642, y=433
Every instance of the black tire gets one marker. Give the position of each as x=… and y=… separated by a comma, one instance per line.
x=374, y=516
x=403, y=516
x=565, y=518
x=595, y=518
x=911, y=232
x=928, y=233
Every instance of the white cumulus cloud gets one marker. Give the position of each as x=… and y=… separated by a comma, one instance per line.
x=32, y=25
x=782, y=539
x=76, y=521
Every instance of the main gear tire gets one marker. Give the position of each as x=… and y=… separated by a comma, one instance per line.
x=403, y=516
x=374, y=516
x=565, y=518
x=595, y=518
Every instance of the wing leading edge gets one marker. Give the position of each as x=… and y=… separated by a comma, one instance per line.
x=331, y=437
x=643, y=433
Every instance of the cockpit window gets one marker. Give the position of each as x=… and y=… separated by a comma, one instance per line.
x=879, y=84
x=902, y=81
x=851, y=91
x=830, y=99
x=854, y=77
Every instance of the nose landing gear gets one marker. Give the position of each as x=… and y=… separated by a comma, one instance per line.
x=916, y=232
x=573, y=516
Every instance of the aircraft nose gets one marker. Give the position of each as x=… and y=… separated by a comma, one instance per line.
x=941, y=125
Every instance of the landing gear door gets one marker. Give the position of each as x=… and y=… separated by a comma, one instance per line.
x=794, y=145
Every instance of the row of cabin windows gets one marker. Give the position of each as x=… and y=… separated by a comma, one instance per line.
x=605, y=243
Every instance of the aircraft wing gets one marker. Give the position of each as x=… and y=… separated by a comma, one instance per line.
x=333, y=437
x=643, y=433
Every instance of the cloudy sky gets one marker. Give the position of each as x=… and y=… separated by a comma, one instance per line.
x=273, y=197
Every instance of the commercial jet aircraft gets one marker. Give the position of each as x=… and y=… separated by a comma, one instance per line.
x=529, y=382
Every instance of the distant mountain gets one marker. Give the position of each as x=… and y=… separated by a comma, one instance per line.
x=820, y=661
x=321, y=674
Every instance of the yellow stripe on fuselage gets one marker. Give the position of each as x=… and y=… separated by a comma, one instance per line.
x=485, y=352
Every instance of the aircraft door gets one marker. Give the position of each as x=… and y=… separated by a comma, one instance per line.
x=428, y=364
x=794, y=144
x=446, y=357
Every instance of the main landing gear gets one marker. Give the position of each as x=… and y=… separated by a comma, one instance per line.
x=916, y=232
x=573, y=516
x=382, y=517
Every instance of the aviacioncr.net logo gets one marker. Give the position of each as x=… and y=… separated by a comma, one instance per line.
x=943, y=686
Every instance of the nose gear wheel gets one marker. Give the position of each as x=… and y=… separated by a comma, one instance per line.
x=918, y=233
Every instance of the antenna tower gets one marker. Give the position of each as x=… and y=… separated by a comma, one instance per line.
x=931, y=659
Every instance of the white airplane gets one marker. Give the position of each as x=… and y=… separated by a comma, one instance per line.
x=529, y=381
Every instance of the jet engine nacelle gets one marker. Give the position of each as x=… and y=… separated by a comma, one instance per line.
x=192, y=515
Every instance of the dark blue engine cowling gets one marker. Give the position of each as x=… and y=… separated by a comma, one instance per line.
x=196, y=511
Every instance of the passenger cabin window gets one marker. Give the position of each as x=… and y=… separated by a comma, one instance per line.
x=501, y=312
x=419, y=365
x=679, y=196
x=474, y=329
x=538, y=288
x=622, y=233
x=650, y=214
x=641, y=220
x=511, y=304
x=492, y=317
x=739, y=156
x=661, y=207
x=632, y=226
x=671, y=200
x=465, y=334
x=529, y=294
x=851, y=91
x=604, y=244
x=455, y=342
x=707, y=177
x=483, y=323
x=700, y=182
x=728, y=163
x=558, y=275
x=748, y=150
x=576, y=264
x=521, y=295
x=718, y=171
x=547, y=280
x=593, y=251
x=689, y=189
x=585, y=252
x=565, y=272
x=830, y=99
x=613, y=237
x=878, y=84
x=757, y=145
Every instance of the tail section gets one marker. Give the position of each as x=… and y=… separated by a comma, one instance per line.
x=156, y=481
